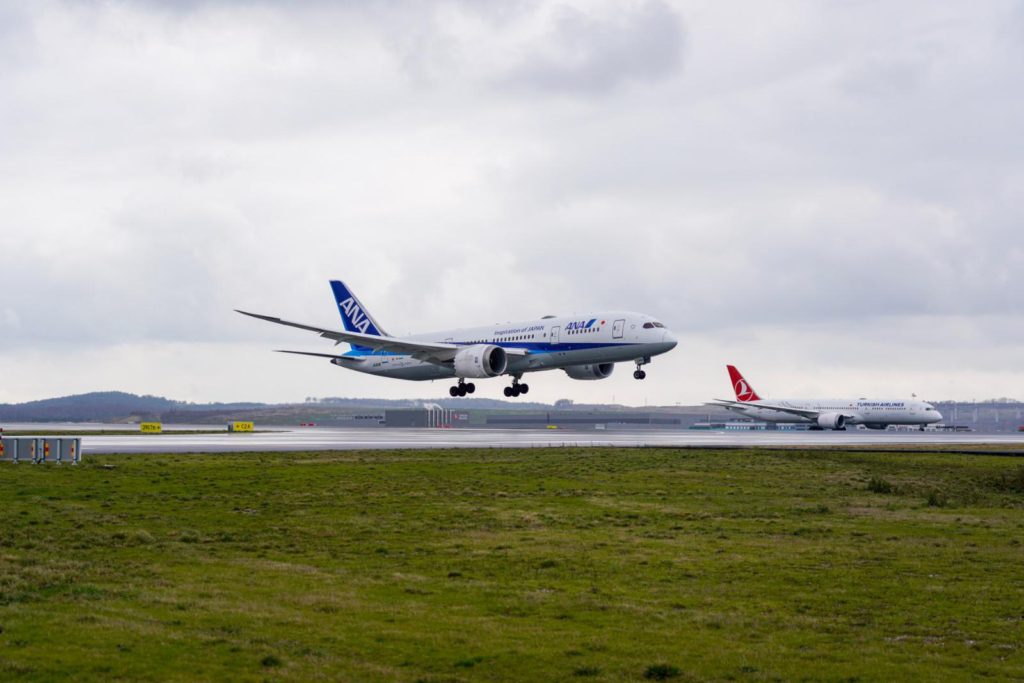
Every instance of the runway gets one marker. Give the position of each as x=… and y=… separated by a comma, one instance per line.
x=331, y=438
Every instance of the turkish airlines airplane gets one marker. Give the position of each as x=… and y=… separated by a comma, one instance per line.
x=826, y=413
x=586, y=347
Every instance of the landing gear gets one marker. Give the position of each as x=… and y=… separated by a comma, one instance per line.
x=462, y=388
x=516, y=389
x=638, y=373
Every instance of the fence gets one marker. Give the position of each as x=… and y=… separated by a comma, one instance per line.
x=41, y=449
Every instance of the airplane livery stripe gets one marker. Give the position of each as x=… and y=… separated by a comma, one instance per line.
x=537, y=347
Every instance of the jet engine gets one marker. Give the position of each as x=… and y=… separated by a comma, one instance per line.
x=481, y=360
x=590, y=371
x=832, y=421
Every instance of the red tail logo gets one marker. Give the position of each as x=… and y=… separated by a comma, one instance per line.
x=744, y=392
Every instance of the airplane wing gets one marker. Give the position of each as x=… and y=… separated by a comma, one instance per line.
x=439, y=353
x=799, y=412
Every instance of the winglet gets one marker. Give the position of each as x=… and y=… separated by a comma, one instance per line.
x=744, y=392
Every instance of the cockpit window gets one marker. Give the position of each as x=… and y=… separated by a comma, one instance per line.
x=651, y=326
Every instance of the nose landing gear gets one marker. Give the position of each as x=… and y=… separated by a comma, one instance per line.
x=516, y=389
x=638, y=373
x=462, y=388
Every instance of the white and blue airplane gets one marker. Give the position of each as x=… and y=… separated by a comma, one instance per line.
x=586, y=347
x=834, y=413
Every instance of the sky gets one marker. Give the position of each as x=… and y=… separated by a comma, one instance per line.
x=826, y=194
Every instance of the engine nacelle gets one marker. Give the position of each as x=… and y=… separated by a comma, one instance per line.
x=590, y=371
x=832, y=421
x=481, y=360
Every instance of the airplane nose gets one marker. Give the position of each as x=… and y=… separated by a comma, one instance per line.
x=669, y=338
x=937, y=416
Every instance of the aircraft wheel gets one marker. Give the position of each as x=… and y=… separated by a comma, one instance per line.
x=470, y=387
x=524, y=388
x=454, y=391
x=508, y=392
x=462, y=390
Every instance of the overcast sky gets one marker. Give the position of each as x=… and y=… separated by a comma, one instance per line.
x=828, y=194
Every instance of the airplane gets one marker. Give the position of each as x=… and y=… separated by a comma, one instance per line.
x=826, y=413
x=586, y=347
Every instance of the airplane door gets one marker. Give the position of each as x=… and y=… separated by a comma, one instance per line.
x=555, y=332
x=617, y=327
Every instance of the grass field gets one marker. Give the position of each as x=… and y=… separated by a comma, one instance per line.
x=527, y=565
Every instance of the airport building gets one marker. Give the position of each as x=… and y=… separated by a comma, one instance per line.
x=430, y=416
x=582, y=420
x=749, y=426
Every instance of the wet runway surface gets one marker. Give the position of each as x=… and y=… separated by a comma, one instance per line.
x=329, y=438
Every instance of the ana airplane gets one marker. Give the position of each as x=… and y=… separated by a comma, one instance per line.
x=825, y=413
x=586, y=347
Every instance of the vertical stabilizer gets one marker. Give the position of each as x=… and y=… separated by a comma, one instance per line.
x=744, y=392
x=354, y=315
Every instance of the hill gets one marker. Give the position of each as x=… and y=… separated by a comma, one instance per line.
x=104, y=406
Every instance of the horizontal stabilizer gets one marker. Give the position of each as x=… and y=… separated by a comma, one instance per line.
x=354, y=359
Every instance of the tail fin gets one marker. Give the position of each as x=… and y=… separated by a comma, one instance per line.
x=354, y=315
x=744, y=392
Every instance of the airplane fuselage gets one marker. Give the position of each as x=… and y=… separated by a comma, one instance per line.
x=552, y=342
x=855, y=411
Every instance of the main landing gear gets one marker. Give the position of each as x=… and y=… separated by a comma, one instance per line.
x=462, y=388
x=638, y=373
x=516, y=389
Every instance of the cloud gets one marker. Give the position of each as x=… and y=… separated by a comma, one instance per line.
x=823, y=189
x=584, y=53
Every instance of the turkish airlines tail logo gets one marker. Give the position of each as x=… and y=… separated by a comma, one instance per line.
x=744, y=392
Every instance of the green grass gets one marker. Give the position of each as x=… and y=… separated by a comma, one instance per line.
x=592, y=565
